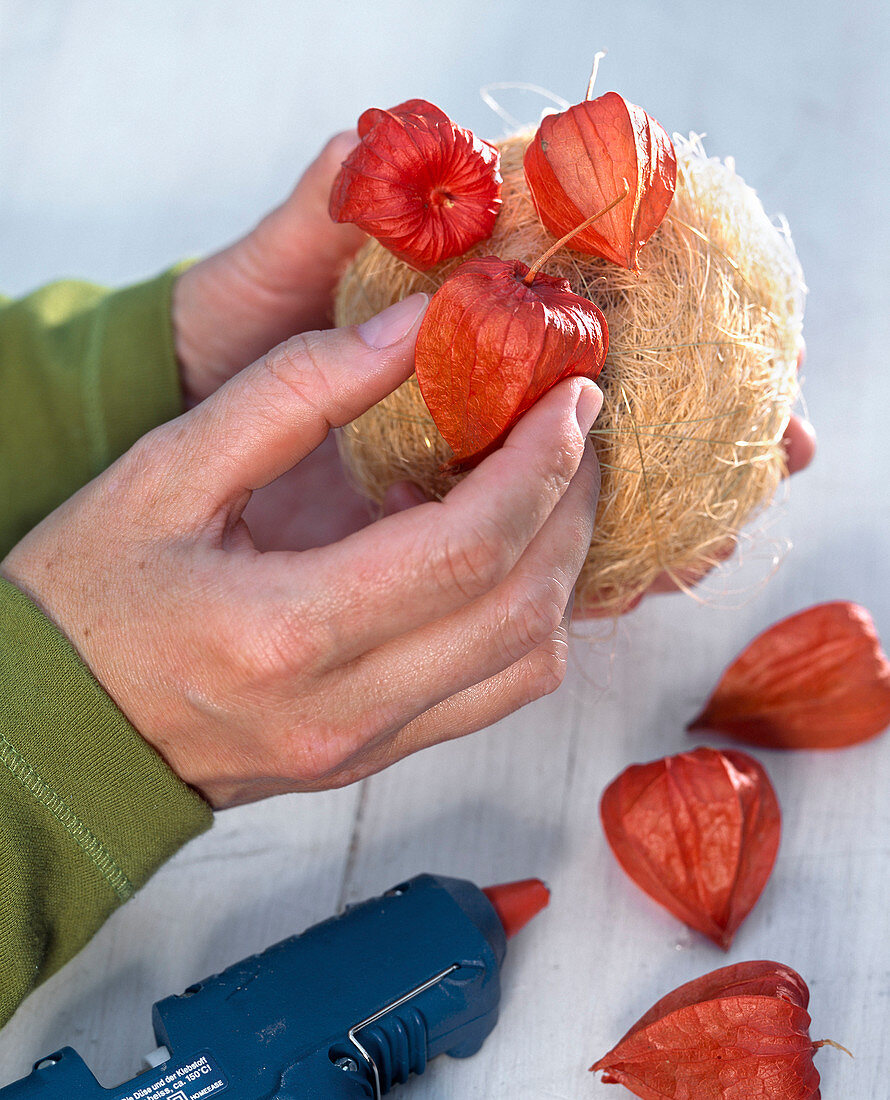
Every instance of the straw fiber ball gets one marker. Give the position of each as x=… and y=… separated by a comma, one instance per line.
x=699, y=381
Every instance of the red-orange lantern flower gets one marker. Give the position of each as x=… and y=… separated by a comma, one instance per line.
x=741, y=1031
x=816, y=680
x=494, y=339
x=699, y=832
x=584, y=158
x=425, y=188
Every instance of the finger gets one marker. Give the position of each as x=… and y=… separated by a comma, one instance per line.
x=275, y=412
x=279, y=279
x=430, y=560
x=416, y=671
x=799, y=442
x=674, y=580
x=301, y=251
x=312, y=194
x=474, y=708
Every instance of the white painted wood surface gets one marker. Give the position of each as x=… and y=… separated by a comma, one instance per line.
x=132, y=134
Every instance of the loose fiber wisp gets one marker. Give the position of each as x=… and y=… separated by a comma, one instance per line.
x=699, y=382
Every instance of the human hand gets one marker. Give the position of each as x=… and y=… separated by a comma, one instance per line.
x=257, y=673
x=228, y=309
x=278, y=279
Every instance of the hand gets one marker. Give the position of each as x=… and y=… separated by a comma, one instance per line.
x=278, y=280
x=231, y=307
x=257, y=673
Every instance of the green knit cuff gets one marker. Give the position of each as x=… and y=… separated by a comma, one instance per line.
x=102, y=788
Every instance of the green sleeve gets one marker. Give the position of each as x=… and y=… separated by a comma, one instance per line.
x=87, y=809
x=84, y=372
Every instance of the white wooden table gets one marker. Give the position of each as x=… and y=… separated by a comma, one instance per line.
x=132, y=134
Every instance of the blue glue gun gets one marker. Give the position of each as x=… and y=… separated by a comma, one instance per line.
x=345, y=1011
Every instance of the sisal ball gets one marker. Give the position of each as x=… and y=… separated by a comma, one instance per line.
x=698, y=385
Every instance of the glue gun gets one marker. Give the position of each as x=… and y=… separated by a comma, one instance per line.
x=345, y=1011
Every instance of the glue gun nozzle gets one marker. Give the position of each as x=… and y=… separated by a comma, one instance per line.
x=517, y=902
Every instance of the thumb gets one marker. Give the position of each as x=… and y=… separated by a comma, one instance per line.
x=272, y=414
x=298, y=247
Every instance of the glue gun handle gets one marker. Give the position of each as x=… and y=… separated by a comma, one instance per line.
x=317, y=1078
x=342, y=1089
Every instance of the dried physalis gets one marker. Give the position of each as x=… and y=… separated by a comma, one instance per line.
x=816, y=680
x=496, y=336
x=581, y=159
x=492, y=342
x=741, y=1031
x=426, y=189
x=698, y=832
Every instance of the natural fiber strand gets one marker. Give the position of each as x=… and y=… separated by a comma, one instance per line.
x=699, y=382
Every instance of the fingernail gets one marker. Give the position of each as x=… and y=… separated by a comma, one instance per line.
x=394, y=323
x=589, y=404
